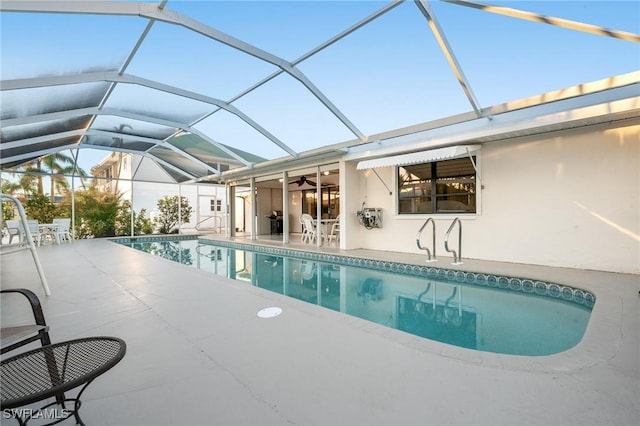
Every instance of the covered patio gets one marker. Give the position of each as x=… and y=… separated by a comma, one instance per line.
x=359, y=81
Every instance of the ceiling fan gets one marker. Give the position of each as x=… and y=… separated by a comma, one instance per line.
x=302, y=181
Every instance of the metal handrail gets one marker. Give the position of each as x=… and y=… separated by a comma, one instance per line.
x=30, y=245
x=433, y=226
x=457, y=256
x=209, y=255
x=218, y=222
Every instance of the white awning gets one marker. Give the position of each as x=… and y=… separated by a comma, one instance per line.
x=419, y=157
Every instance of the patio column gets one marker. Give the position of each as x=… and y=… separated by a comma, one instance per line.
x=73, y=208
x=132, y=213
x=230, y=192
x=179, y=208
x=285, y=207
x=318, y=208
x=252, y=187
x=1, y=210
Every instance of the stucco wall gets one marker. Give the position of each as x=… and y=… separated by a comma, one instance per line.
x=566, y=199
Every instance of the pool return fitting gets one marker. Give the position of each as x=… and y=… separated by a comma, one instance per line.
x=457, y=255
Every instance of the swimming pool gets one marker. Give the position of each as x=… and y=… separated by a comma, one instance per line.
x=483, y=312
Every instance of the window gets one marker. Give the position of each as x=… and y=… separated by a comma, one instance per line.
x=440, y=187
x=216, y=205
x=330, y=202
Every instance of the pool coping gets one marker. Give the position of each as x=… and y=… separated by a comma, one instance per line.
x=600, y=343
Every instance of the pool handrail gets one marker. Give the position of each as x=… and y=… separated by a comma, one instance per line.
x=433, y=227
x=27, y=243
x=457, y=256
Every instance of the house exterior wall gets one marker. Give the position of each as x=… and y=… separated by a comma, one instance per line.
x=107, y=171
x=268, y=200
x=568, y=199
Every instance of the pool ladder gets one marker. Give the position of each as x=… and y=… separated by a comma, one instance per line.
x=433, y=244
x=457, y=255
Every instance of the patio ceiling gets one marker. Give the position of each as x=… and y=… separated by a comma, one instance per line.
x=204, y=88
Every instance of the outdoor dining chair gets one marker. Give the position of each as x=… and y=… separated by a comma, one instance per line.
x=36, y=234
x=334, y=234
x=309, y=234
x=14, y=230
x=304, y=229
x=63, y=229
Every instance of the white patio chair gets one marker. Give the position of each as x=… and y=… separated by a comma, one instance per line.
x=34, y=229
x=14, y=229
x=309, y=234
x=334, y=234
x=63, y=229
x=304, y=230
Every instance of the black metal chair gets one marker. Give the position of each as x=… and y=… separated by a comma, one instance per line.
x=13, y=337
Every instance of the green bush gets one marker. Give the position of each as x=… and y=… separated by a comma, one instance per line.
x=142, y=223
x=168, y=220
x=41, y=208
x=96, y=213
x=7, y=211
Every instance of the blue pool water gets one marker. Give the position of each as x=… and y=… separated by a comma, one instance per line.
x=476, y=311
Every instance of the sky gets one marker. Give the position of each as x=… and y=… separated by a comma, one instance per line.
x=389, y=74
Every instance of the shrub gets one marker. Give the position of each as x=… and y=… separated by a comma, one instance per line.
x=41, y=208
x=168, y=220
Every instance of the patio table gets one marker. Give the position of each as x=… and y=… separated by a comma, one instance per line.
x=49, y=229
x=325, y=226
x=50, y=371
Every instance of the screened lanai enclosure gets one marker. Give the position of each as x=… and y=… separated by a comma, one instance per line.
x=254, y=93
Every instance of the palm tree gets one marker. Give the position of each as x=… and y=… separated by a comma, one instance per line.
x=55, y=164
x=59, y=164
x=9, y=187
x=36, y=167
x=25, y=185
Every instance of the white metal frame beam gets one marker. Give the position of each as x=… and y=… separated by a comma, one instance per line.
x=44, y=138
x=69, y=114
x=152, y=11
x=550, y=20
x=142, y=154
x=36, y=154
x=616, y=104
x=425, y=9
x=107, y=111
x=116, y=77
x=154, y=141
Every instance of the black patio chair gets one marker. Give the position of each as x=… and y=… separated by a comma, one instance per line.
x=13, y=337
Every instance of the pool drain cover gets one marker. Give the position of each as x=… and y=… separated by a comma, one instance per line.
x=270, y=312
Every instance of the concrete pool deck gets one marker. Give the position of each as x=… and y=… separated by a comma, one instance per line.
x=197, y=354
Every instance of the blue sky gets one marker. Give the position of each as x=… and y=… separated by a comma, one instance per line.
x=389, y=74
